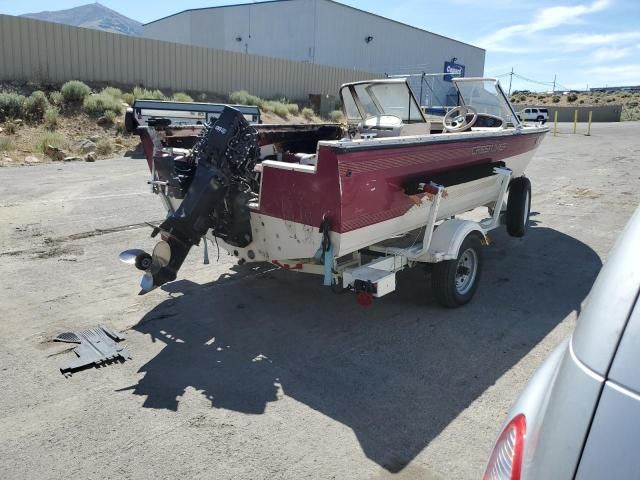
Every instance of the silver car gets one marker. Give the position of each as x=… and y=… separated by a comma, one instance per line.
x=579, y=416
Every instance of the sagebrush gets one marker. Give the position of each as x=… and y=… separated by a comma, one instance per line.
x=11, y=106
x=182, y=97
x=140, y=93
x=97, y=105
x=35, y=105
x=308, y=113
x=55, y=139
x=51, y=118
x=75, y=91
x=104, y=147
x=336, y=116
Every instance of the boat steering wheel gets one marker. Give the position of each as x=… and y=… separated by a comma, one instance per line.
x=456, y=119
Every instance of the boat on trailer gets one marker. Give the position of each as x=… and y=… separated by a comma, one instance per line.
x=354, y=202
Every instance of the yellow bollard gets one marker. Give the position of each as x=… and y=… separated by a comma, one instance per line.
x=555, y=123
x=575, y=121
x=589, y=127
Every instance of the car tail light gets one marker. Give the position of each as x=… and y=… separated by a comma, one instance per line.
x=506, y=460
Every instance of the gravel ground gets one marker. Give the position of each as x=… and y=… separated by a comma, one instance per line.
x=252, y=373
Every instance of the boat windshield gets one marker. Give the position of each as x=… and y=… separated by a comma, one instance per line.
x=385, y=97
x=486, y=96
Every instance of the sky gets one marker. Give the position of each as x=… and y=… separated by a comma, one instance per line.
x=581, y=42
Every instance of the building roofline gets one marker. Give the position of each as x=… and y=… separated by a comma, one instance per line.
x=330, y=1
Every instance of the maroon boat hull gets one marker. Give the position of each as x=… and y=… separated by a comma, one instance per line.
x=362, y=186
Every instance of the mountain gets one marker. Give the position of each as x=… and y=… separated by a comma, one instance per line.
x=92, y=15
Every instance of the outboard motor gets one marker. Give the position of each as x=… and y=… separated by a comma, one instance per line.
x=216, y=199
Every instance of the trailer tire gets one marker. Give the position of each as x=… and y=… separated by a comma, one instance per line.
x=454, y=282
x=518, y=207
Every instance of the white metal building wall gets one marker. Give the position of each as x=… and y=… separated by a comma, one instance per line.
x=341, y=42
x=318, y=31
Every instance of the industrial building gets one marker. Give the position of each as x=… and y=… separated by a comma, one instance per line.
x=327, y=33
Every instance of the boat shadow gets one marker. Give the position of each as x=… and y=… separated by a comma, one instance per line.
x=397, y=373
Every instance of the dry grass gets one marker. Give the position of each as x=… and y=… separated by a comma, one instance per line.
x=45, y=138
x=6, y=144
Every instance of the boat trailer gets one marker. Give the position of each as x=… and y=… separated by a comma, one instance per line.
x=453, y=245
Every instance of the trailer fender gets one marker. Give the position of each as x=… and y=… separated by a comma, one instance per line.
x=448, y=237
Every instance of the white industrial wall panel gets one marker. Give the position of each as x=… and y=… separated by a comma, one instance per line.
x=33, y=50
x=340, y=41
x=176, y=28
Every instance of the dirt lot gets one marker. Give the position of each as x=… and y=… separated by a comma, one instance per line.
x=241, y=373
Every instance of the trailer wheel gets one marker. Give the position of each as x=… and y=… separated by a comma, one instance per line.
x=454, y=282
x=518, y=207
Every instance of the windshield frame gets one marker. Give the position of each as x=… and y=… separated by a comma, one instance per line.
x=496, y=84
x=415, y=114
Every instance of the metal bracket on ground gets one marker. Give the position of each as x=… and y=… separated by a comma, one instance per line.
x=96, y=347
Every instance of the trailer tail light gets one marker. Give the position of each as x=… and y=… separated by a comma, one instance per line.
x=506, y=460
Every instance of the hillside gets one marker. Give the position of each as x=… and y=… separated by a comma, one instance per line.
x=93, y=15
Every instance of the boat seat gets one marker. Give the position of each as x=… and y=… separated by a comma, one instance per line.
x=306, y=158
x=382, y=126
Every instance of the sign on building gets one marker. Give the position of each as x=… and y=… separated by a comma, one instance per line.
x=452, y=69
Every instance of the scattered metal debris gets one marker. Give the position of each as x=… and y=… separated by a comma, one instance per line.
x=96, y=346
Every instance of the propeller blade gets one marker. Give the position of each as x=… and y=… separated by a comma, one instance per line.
x=161, y=256
x=129, y=256
x=146, y=282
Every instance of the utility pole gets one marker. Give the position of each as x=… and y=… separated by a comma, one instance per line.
x=554, y=84
x=510, y=80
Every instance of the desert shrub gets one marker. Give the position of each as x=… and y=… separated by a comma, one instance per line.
x=278, y=108
x=11, y=105
x=104, y=147
x=56, y=98
x=555, y=99
x=596, y=100
x=54, y=139
x=336, y=116
x=308, y=113
x=541, y=97
x=128, y=98
x=51, y=118
x=113, y=91
x=97, y=105
x=612, y=99
x=141, y=93
x=119, y=127
x=633, y=104
x=110, y=116
x=581, y=101
x=242, y=97
x=75, y=91
x=572, y=97
x=35, y=105
x=10, y=128
x=6, y=144
x=182, y=97
x=293, y=108
x=523, y=98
